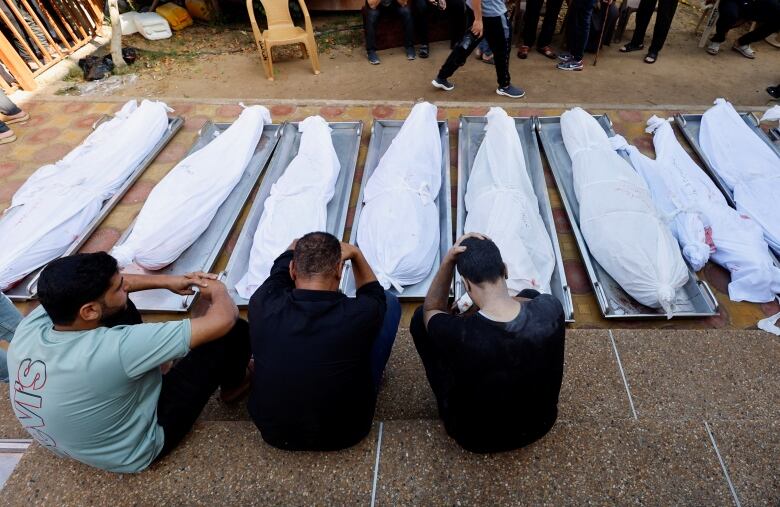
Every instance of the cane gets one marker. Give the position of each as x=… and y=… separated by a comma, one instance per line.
x=603, y=29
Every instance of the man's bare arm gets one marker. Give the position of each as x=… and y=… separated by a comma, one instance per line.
x=360, y=267
x=218, y=319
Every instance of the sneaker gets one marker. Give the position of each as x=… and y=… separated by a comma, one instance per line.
x=713, y=48
x=570, y=64
x=442, y=84
x=774, y=91
x=512, y=92
x=424, y=51
x=373, y=58
x=745, y=50
x=410, y=53
x=565, y=56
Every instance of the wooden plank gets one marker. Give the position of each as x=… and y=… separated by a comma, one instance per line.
x=16, y=65
x=46, y=55
x=19, y=37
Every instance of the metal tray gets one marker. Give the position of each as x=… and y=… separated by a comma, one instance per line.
x=203, y=253
x=26, y=289
x=382, y=134
x=346, y=141
x=694, y=299
x=470, y=135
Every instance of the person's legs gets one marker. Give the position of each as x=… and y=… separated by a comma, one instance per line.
x=7, y=107
x=456, y=18
x=643, y=15
x=549, y=23
x=663, y=22
x=499, y=37
x=383, y=343
x=433, y=368
x=372, y=18
x=533, y=9
x=728, y=15
x=9, y=319
x=462, y=50
x=579, y=21
x=408, y=24
x=422, y=20
x=188, y=386
x=767, y=14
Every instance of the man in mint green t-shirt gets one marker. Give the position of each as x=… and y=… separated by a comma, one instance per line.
x=85, y=372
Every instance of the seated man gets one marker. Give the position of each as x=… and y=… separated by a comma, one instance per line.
x=9, y=319
x=497, y=373
x=765, y=12
x=373, y=12
x=86, y=373
x=319, y=355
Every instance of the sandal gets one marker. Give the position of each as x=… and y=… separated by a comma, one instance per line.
x=7, y=137
x=651, y=57
x=522, y=52
x=14, y=118
x=548, y=52
x=487, y=59
x=631, y=47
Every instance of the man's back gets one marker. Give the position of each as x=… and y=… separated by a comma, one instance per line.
x=312, y=387
x=497, y=383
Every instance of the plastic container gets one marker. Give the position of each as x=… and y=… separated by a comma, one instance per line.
x=152, y=26
x=127, y=22
x=199, y=9
x=177, y=16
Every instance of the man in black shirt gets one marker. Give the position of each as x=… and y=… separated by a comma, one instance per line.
x=319, y=355
x=497, y=373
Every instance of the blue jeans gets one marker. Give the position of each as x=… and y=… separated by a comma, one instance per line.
x=383, y=343
x=9, y=319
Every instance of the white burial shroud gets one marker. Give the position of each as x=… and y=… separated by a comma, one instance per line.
x=749, y=167
x=57, y=203
x=501, y=203
x=399, y=224
x=298, y=203
x=183, y=203
x=618, y=218
x=705, y=226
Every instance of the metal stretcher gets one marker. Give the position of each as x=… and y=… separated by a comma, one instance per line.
x=26, y=289
x=694, y=299
x=346, y=141
x=470, y=135
x=382, y=134
x=203, y=253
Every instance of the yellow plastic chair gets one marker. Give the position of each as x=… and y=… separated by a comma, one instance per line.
x=281, y=32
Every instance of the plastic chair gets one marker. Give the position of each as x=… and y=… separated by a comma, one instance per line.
x=282, y=32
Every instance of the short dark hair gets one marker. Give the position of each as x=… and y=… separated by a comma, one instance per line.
x=66, y=284
x=481, y=262
x=317, y=253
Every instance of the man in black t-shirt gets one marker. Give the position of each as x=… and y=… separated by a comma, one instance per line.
x=319, y=355
x=497, y=373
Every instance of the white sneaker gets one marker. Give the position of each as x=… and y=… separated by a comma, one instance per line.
x=713, y=48
x=744, y=50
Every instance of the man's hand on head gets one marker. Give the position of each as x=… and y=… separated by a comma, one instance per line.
x=458, y=248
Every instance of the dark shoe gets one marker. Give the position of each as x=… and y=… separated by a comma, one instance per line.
x=565, y=56
x=522, y=52
x=488, y=59
x=548, y=51
x=410, y=53
x=651, y=57
x=373, y=58
x=424, y=52
x=631, y=47
x=14, y=118
x=570, y=64
x=442, y=84
x=774, y=91
x=510, y=91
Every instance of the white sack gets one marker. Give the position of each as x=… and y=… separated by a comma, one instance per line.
x=703, y=223
x=183, y=203
x=56, y=204
x=501, y=203
x=748, y=166
x=298, y=203
x=771, y=114
x=399, y=224
x=618, y=219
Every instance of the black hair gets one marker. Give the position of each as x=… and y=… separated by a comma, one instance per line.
x=67, y=284
x=481, y=262
x=317, y=253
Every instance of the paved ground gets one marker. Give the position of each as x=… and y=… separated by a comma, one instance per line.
x=647, y=416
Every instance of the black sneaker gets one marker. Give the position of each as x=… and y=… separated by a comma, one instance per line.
x=373, y=58
x=562, y=57
x=774, y=91
x=410, y=53
x=442, y=84
x=570, y=64
x=424, y=51
x=510, y=91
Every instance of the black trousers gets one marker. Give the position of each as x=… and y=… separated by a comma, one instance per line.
x=765, y=12
x=533, y=10
x=372, y=19
x=578, y=26
x=663, y=21
x=456, y=19
x=499, y=36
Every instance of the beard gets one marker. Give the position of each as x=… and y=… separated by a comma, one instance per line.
x=110, y=313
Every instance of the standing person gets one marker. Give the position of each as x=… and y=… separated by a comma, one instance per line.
x=9, y=113
x=533, y=10
x=486, y=19
x=496, y=374
x=663, y=21
x=578, y=30
x=374, y=11
x=87, y=373
x=766, y=14
x=319, y=355
x=9, y=320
